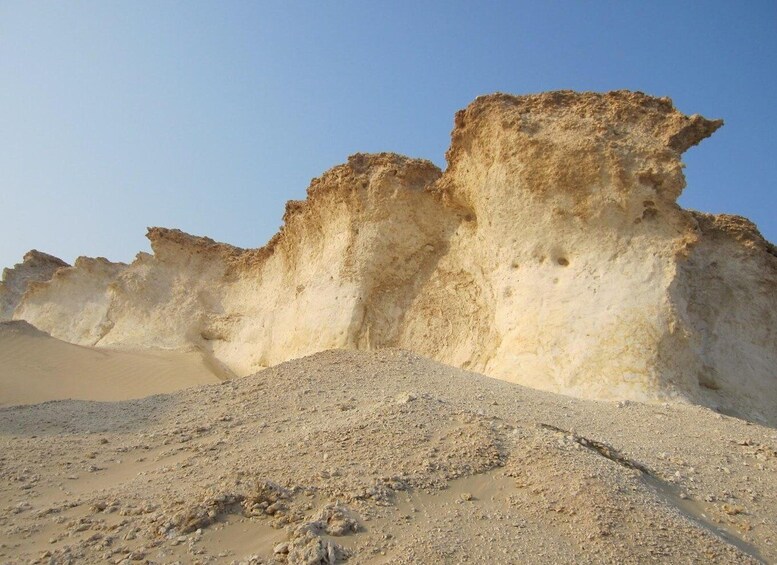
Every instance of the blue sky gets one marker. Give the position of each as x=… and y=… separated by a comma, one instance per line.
x=208, y=116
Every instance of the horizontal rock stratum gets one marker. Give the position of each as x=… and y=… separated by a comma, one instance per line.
x=551, y=252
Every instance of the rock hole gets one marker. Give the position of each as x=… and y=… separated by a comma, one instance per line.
x=563, y=261
x=705, y=381
x=212, y=335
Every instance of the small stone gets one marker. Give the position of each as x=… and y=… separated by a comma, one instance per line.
x=405, y=397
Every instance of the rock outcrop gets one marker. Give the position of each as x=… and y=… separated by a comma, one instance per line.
x=551, y=252
x=35, y=267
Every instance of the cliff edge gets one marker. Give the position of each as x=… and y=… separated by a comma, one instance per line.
x=551, y=252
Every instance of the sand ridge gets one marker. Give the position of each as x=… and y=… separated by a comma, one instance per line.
x=35, y=367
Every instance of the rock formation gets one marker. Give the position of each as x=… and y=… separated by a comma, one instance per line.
x=35, y=267
x=551, y=252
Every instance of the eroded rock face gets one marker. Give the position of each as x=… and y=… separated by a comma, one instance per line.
x=35, y=267
x=725, y=296
x=551, y=253
x=570, y=242
x=73, y=304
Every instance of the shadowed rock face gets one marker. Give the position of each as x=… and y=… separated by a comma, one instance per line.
x=551, y=252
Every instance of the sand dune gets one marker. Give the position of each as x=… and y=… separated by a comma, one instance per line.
x=35, y=367
x=382, y=457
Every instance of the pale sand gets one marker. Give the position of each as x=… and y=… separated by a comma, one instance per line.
x=35, y=367
x=382, y=457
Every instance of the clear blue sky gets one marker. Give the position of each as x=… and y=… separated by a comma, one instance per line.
x=208, y=116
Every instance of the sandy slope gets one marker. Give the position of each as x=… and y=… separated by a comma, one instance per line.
x=382, y=457
x=34, y=367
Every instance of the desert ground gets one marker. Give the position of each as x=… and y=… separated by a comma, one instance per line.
x=371, y=457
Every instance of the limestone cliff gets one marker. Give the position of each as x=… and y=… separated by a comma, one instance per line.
x=551, y=252
x=35, y=267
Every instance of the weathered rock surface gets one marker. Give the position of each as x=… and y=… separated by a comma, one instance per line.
x=551, y=252
x=35, y=267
